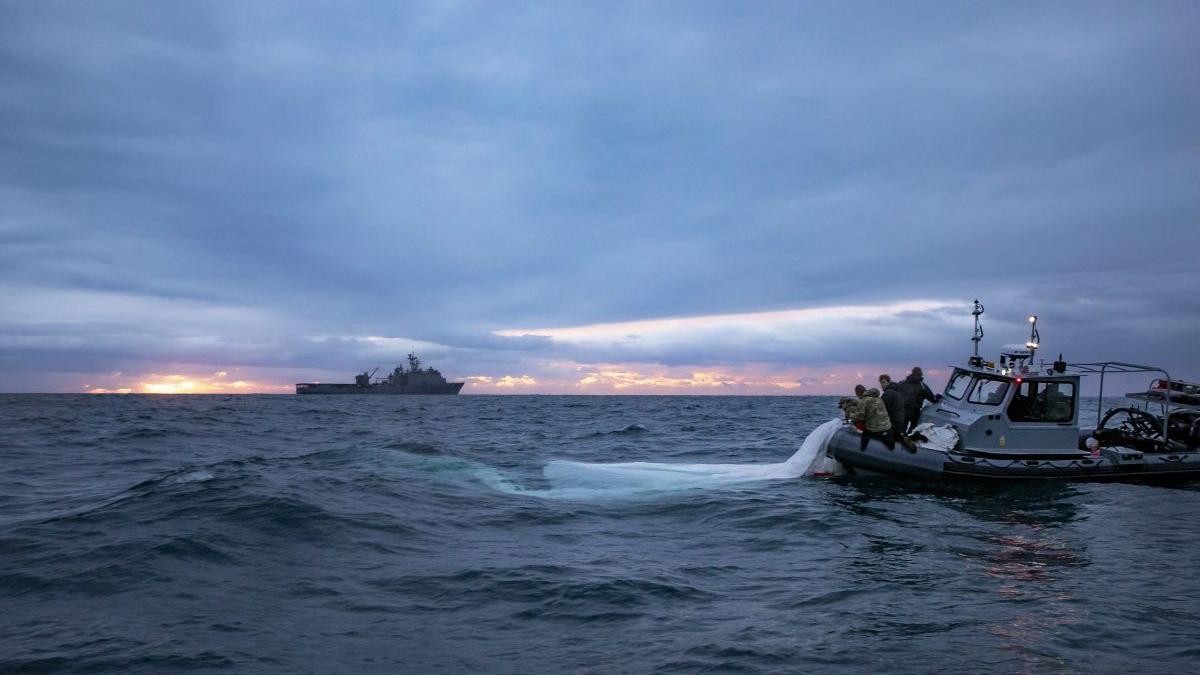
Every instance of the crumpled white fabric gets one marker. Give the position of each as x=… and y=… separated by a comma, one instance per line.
x=942, y=437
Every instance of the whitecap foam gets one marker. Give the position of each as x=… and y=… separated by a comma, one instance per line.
x=193, y=477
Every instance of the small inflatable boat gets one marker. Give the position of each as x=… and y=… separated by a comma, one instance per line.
x=1014, y=421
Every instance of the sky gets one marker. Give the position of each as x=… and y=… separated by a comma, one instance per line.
x=590, y=197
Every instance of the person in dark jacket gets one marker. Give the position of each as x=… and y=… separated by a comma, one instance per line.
x=893, y=400
x=914, y=393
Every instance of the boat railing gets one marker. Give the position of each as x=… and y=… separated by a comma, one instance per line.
x=1103, y=368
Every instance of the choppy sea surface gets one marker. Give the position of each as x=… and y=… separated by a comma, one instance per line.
x=285, y=534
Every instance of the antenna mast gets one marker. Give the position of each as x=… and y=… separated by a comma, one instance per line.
x=978, y=328
x=1034, y=338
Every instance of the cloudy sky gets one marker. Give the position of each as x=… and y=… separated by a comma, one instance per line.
x=590, y=197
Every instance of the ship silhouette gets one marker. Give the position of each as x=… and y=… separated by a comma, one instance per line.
x=414, y=381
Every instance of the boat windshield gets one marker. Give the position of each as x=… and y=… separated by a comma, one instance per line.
x=959, y=382
x=988, y=391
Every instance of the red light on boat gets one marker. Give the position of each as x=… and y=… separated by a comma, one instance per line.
x=1018, y=380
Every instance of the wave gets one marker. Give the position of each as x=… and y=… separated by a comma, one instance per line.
x=413, y=447
x=551, y=589
x=148, y=432
x=631, y=429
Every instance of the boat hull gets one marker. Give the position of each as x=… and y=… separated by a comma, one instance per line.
x=959, y=466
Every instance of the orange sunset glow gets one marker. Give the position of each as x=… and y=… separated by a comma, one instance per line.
x=212, y=383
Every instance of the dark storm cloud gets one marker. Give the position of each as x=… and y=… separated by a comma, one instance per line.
x=265, y=185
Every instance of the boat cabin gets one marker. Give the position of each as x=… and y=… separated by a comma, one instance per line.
x=996, y=411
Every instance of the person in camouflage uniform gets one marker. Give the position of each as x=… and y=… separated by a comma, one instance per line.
x=847, y=406
x=871, y=413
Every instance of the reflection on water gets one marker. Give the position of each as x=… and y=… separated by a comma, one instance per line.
x=1028, y=567
x=1041, y=505
x=1023, y=559
x=1026, y=558
x=1013, y=544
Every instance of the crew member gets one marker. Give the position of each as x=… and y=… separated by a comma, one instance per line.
x=893, y=400
x=871, y=413
x=915, y=392
x=847, y=406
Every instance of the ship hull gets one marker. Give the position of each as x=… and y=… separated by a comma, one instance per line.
x=449, y=388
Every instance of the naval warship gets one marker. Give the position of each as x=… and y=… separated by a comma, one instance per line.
x=415, y=380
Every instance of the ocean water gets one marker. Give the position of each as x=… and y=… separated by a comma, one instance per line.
x=283, y=534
